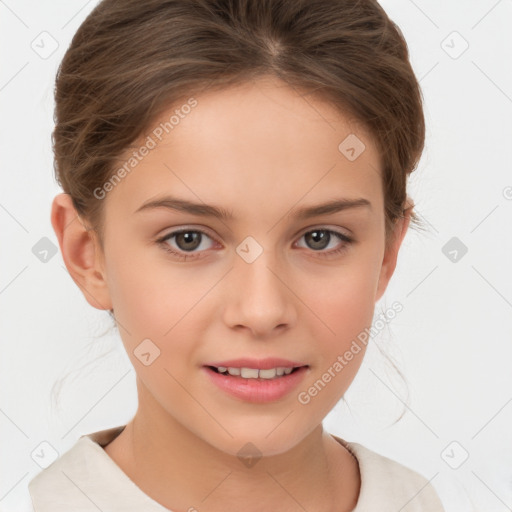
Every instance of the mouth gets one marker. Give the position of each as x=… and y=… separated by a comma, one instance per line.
x=255, y=373
x=264, y=381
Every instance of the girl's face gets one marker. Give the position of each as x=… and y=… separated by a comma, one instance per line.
x=260, y=270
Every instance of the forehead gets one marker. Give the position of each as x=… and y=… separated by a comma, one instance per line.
x=255, y=144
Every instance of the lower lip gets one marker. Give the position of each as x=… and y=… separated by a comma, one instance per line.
x=257, y=390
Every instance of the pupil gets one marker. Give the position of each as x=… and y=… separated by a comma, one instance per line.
x=189, y=237
x=320, y=238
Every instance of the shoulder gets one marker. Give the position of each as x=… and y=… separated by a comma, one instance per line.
x=387, y=485
x=74, y=477
x=58, y=479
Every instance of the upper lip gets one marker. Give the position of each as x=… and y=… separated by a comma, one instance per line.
x=263, y=364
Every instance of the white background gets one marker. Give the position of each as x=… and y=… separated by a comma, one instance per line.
x=452, y=340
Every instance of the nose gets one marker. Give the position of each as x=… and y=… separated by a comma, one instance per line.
x=258, y=297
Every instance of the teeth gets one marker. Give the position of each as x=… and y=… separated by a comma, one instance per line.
x=249, y=373
x=254, y=373
x=268, y=374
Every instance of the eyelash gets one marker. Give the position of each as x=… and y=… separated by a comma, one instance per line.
x=184, y=256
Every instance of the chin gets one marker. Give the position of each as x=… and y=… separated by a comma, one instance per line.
x=257, y=441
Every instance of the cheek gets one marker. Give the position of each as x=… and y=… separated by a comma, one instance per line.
x=344, y=306
x=344, y=300
x=154, y=308
x=149, y=296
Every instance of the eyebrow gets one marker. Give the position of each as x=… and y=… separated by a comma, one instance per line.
x=206, y=210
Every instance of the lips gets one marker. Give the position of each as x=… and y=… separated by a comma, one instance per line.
x=253, y=373
x=256, y=380
x=260, y=364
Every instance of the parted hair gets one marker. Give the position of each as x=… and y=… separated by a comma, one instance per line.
x=131, y=60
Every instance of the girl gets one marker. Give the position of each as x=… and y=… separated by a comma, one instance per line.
x=234, y=176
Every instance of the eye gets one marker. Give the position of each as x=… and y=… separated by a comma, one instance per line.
x=319, y=239
x=187, y=241
x=190, y=243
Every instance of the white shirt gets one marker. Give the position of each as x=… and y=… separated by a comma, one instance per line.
x=86, y=479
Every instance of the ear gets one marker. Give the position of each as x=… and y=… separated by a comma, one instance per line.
x=81, y=252
x=391, y=253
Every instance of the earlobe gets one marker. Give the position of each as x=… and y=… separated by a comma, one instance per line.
x=80, y=251
x=391, y=253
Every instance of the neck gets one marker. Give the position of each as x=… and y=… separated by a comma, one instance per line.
x=181, y=471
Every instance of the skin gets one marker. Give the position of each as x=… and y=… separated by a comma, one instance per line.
x=260, y=150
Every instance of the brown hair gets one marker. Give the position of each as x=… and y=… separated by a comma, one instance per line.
x=130, y=61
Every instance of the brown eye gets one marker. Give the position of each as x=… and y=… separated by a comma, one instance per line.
x=322, y=238
x=188, y=243
x=188, y=240
x=318, y=239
